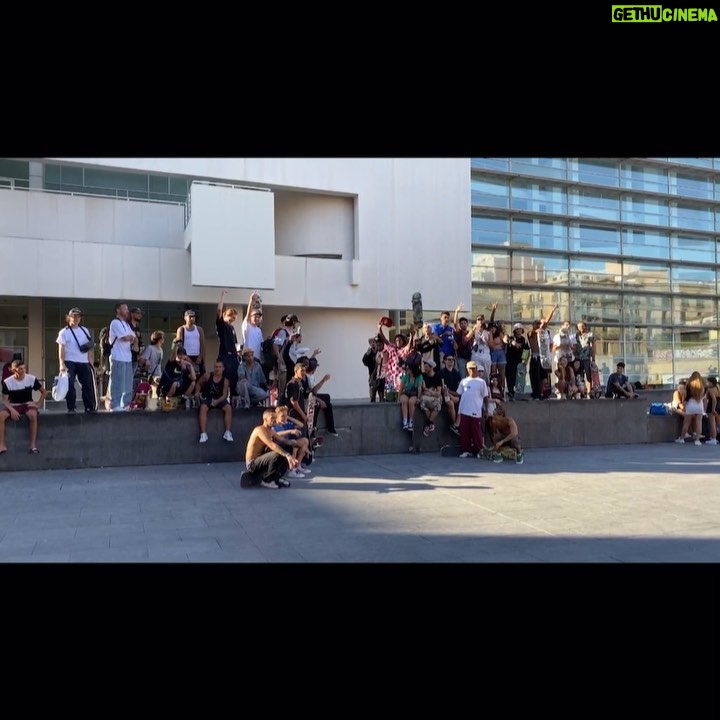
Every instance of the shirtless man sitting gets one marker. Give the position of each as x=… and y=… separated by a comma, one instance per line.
x=503, y=430
x=266, y=460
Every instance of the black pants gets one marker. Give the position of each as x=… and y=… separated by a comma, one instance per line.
x=269, y=467
x=537, y=376
x=86, y=379
x=231, y=363
x=511, y=376
x=328, y=411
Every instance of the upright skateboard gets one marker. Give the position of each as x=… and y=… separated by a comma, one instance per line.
x=521, y=378
x=544, y=346
x=314, y=439
x=596, y=382
x=417, y=309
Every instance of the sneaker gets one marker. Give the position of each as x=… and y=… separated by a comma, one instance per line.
x=71, y=411
x=697, y=442
x=227, y=435
x=296, y=474
x=283, y=483
x=405, y=425
x=497, y=458
x=334, y=434
x=304, y=470
x=455, y=429
x=466, y=454
x=203, y=437
x=711, y=441
x=680, y=440
x=519, y=459
x=271, y=485
x=410, y=425
x=247, y=479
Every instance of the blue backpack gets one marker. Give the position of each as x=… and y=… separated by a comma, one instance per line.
x=658, y=409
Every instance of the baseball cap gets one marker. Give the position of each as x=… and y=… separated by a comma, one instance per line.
x=290, y=319
x=75, y=311
x=429, y=362
x=471, y=364
x=518, y=326
x=385, y=321
x=312, y=363
x=136, y=310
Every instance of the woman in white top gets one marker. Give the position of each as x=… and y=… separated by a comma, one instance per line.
x=75, y=352
x=480, y=353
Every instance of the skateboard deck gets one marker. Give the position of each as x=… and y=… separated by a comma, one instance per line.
x=417, y=309
x=596, y=382
x=311, y=409
x=544, y=347
x=140, y=398
x=521, y=378
x=450, y=451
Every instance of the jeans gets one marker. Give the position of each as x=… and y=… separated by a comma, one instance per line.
x=121, y=383
x=87, y=384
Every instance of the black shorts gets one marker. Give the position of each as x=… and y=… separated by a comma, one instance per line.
x=219, y=406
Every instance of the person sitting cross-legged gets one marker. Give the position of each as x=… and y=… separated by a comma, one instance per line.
x=213, y=392
x=503, y=430
x=252, y=387
x=266, y=461
x=292, y=440
x=618, y=384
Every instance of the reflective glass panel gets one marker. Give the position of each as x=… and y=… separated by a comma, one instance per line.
x=690, y=216
x=539, y=234
x=594, y=204
x=647, y=211
x=595, y=273
x=637, y=177
x=538, y=269
x=488, y=230
x=595, y=307
x=493, y=193
x=647, y=310
x=642, y=243
x=699, y=311
x=589, y=239
x=544, y=167
x=646, y=276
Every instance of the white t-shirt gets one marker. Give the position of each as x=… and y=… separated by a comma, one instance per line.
x=472, y=392
x=72, y=343
x=252, y=337
x=121, y=349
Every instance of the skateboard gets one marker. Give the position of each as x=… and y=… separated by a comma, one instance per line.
x=450, y=451
x=596, y=382
x=544, y=347
x=521, y=378
x=140, y=398
x=311, y=408
x=417, y=310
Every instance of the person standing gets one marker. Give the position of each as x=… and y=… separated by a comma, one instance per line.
x=75, y=353
x=252, y=326
x=228, y=346
x=192, y=338
x=150, y=361
x=137, y=348
x=473, y=392
x=517, y=352
x=122, y=338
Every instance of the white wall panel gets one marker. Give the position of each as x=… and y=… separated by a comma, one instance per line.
x=13, y=213
x=18, y=263
x=55, y=266
x=233, y=237
x=43, y=215
x=175, y=275
x=141, y=270
x=111, y=271
x=87, y=276
x=100, y=220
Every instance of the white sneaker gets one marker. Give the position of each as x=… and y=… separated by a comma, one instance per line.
x=227, y=435
x=271, y=485
x=466, y=454
x=697, y=442
x=711, y=441
x=303, y=470
x=296, y=474
x=680, y=440
x=203, y=437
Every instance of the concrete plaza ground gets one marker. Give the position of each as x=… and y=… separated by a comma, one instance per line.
x=643, y=503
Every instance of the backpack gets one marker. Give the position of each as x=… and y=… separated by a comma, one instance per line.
x=657, y=408
x=268, y=358
x=105, y=346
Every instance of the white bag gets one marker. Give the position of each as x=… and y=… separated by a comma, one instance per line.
x=60, y=387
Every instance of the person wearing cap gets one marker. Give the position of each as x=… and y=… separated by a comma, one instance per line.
x=428, y=345
x=431, y=398
x=228, y=345
x=75, y=353
x=192, y=338
x=473, y=392
x=252, y=388
x=324, y=401
x=280, y=339
x=251, y=327
x=517, y=353
x=123, y=340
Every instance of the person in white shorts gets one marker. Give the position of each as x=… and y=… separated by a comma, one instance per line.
x=694, y=408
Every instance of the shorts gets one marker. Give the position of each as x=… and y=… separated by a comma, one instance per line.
x=219, y=406
x=498, y=357
x=694, y=407
x=431, y=402
x=21, y=409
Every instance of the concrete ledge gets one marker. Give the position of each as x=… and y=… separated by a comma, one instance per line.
x=157, y=438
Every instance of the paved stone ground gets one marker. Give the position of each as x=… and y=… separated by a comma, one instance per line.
x=619, y=504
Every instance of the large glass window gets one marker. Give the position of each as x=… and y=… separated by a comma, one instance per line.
x=530, y=269
x=695, y=311
x=645, y=210
x=544, y=167
x=659, y=356
x=539, y=234
x=647, y=310
x=695, y=186
x=637, y=177
x=489, y=230
x=493, y=193
x=690, y=216
x=642, y=243
x=594, y=204
x=483, y=299
x=693, y=249
x=695, y=349
x=589, y=239
x=538, y=198
x=531, y=304
x=595, y=307
x=594, y=171
x=490, y=267
x=490, y=163
x=595, y=273
x=696, y=162
x=646, y=276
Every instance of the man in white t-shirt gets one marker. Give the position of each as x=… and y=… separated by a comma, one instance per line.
x=473, y=392
x=251, y=327
x=122, y=337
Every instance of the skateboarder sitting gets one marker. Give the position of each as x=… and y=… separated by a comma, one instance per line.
x=266, y=461
x=618, y=384
x=503, y=430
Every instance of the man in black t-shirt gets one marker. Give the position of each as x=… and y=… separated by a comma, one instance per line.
x=228, y=346
x=296, y=393
x=450, y=377
x=17, y=400
x=431, y=400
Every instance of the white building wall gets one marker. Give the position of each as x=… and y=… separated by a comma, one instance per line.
x=408, y=230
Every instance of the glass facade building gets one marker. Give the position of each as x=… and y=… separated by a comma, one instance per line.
x=628, y=245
